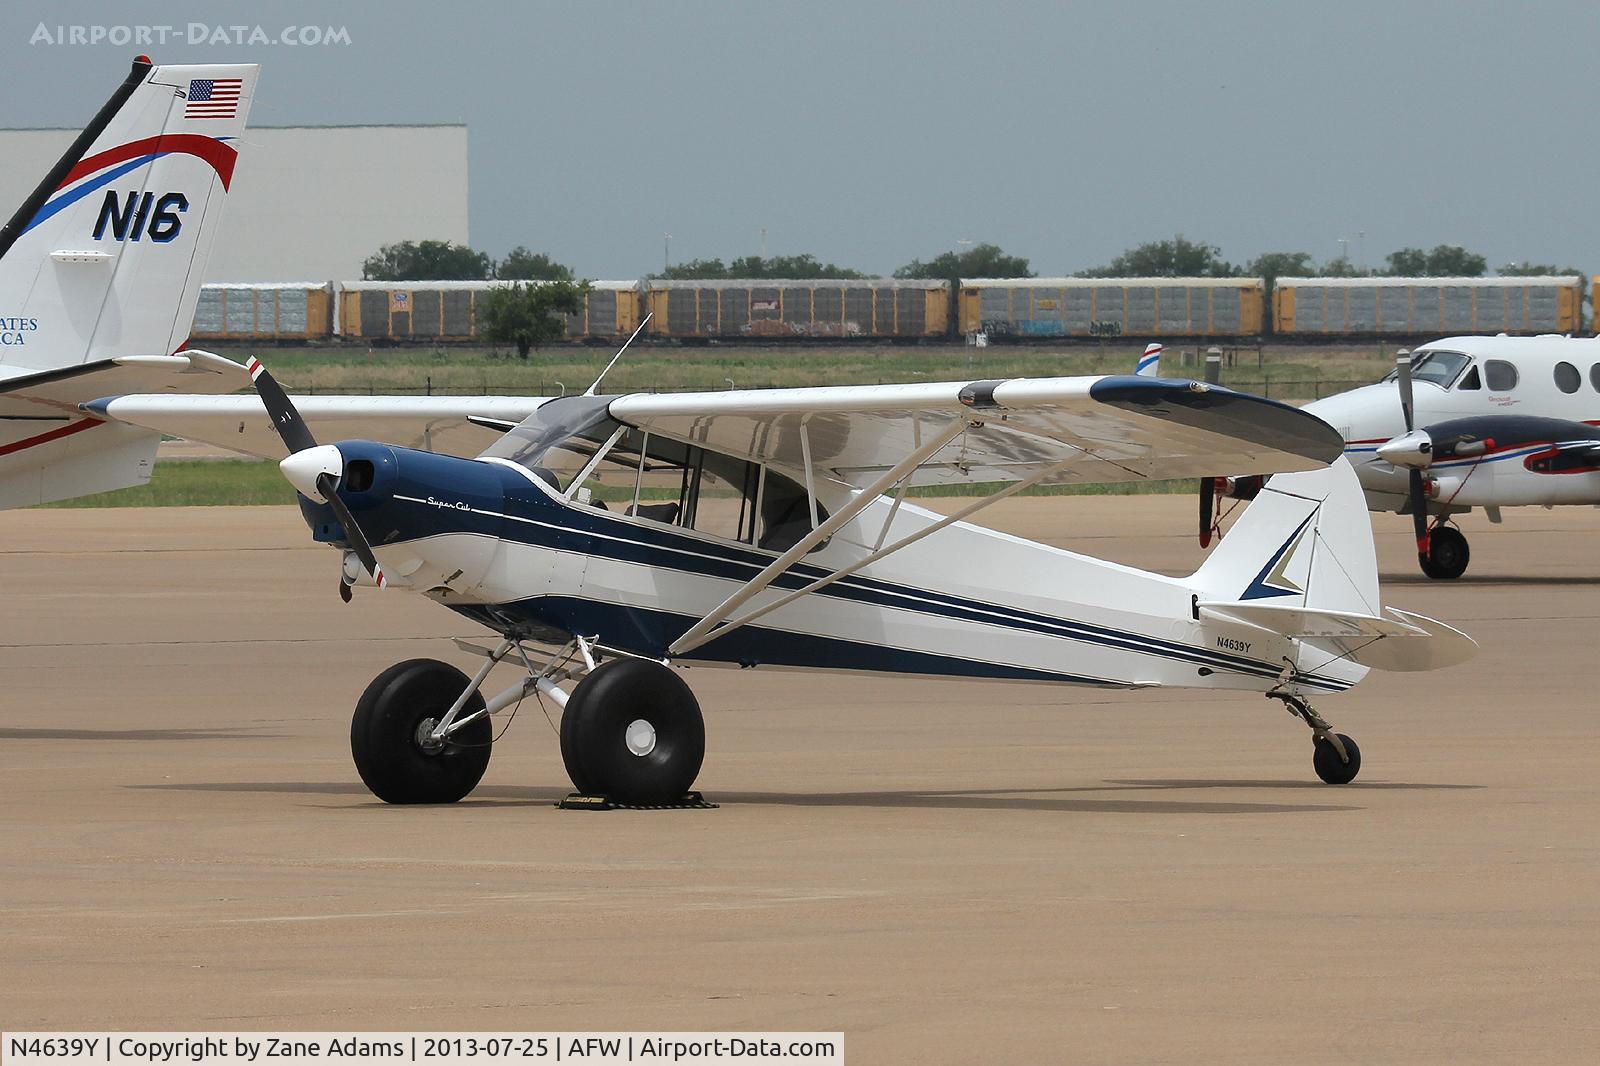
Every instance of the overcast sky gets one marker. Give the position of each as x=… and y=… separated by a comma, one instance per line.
x=872, y=133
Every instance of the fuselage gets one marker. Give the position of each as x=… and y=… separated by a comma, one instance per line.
x=1458, y=379
x=500, y=545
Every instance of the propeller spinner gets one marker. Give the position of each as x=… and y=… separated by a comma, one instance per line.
x=314, y=470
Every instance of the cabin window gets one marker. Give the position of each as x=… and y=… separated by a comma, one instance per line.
x=1594, y=377
x=1499, y=375
x=667, y=481
x=1567, y=377
x=1469, y=381
x=576, y=448
x=1437, y=367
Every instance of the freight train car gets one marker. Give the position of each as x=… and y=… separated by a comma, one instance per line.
x=1111, y=307
x=286, y=311
x=447, y=311
x=1419, y=307
x=814, y=308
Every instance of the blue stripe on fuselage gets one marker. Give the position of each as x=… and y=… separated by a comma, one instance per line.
x=531, y=517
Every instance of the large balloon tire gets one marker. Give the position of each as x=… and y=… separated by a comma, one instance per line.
x=601, y=732
x=384, y=735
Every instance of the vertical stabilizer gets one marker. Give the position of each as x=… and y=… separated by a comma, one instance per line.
x=106, y=257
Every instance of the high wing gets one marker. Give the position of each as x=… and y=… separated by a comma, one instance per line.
x=1023, y=431
x=451, y=425
x=95, y=426
x=1079, y=430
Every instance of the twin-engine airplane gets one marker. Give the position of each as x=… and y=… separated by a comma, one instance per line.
x=608, y=538
x=1463, y=422
x=1469, y=422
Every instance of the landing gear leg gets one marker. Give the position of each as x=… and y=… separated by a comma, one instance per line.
x=1334, y=756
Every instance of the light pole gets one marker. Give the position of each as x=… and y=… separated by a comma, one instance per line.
x=666, y=252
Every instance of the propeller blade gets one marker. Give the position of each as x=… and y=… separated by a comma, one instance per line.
x=1208, y=496
x=1402, y=370
x=285, y=419
x=328, y=486
x=1419, y=512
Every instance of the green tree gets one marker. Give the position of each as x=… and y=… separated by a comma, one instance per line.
x=979, y=261
x=695, y=270
x=523, y=265
x=1526, y=269
x=528, y=315
x=788, y=266
x=427, y=261
x=1339, y=267
x=754, y=266
x=1443, y=261
x=1275, y=265
x=1177, y=258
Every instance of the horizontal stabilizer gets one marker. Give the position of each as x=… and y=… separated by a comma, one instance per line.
x=64, y=390
x=1395, y=640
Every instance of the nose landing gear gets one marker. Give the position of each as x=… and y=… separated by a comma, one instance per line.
x=1447, y=555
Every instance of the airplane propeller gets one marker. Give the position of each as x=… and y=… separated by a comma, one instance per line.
x=313, y=469
x=1416, y=489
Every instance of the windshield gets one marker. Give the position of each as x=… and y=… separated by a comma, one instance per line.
x=557, y=441
x=1431, y=365
x=644, y=475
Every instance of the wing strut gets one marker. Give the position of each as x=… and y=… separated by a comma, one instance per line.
x=842, y=572
x=700, y=632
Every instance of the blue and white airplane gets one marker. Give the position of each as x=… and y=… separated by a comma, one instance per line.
x=605, y=539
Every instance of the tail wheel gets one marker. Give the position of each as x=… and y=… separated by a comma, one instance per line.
x=389, y=735
x=632, y=731
x=1329, y=766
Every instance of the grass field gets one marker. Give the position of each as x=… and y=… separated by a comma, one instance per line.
x=1289, y=372
x=249, y=482
x=199, y=483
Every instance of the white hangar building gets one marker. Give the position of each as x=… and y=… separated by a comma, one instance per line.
x=308, y=202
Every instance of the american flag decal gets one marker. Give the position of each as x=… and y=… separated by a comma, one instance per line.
x=213, y=98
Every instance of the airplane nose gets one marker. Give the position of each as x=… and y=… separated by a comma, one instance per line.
x=1413, y=450
x=304, y=467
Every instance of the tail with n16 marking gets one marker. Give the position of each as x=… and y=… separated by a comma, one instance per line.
x=106, y=256
x=100, y=271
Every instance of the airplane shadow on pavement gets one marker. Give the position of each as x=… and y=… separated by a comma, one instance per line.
x=1112, y=797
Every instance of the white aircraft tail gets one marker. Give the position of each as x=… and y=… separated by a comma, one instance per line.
x=100, y=269
x=1300, y=563
x=1149, y=364
x=107, y=255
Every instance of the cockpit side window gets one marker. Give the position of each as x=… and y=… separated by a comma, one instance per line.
x=1469, y=381
x=1435, y=366
x=663, y=480
x=1499, y=375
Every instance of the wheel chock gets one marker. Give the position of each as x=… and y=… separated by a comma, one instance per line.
x=579, y=801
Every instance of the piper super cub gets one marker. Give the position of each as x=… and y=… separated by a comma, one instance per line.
x=605, y=539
